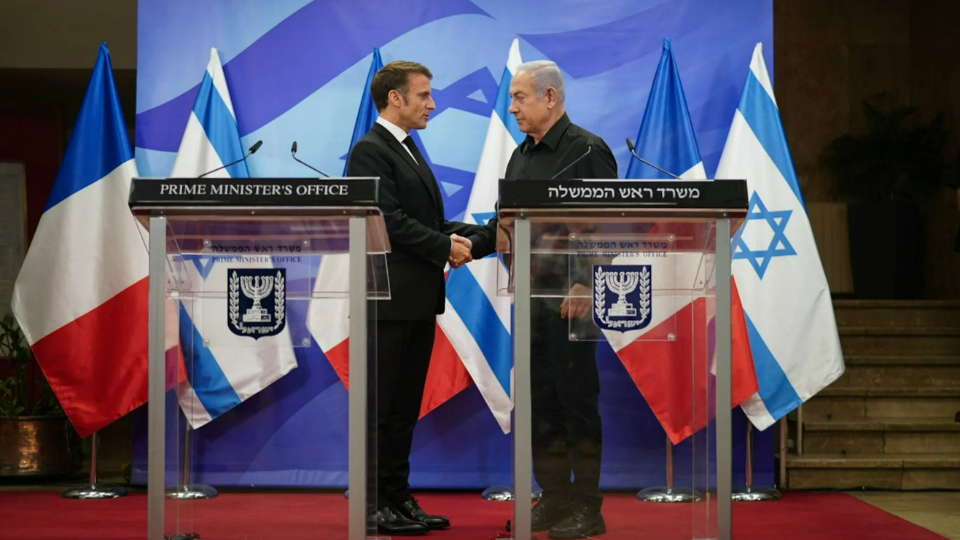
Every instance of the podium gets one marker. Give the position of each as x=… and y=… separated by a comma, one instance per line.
x=244, y=276
x=642, y=268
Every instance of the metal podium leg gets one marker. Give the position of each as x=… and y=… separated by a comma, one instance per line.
x=157, y=379
x=357, y=514
x=724, y=383
x=522, y=427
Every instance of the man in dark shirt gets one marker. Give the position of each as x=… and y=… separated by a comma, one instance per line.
x=565, y=385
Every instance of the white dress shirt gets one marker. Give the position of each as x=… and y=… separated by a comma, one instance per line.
x=397, y=132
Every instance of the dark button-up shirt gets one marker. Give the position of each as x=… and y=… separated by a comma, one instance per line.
x=561, y=147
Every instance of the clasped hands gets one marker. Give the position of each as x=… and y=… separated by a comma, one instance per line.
x=460, y=251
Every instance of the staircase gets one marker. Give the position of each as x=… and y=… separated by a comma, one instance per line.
x=888, y=422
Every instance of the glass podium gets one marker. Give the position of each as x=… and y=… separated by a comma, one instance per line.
x=244, y=276
x=639, y=271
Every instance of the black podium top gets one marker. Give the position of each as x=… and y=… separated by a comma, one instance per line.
x=593, y=194
x=185, y=193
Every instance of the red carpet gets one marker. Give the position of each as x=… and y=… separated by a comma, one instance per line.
x=44, y=515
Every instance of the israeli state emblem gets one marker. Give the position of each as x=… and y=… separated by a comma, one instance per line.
x=622, y=297
x=256, y=301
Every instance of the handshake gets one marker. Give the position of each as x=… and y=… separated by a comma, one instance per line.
x=460, y=251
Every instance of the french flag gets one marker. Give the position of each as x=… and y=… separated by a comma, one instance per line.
x=671, y=360
x=81, y=297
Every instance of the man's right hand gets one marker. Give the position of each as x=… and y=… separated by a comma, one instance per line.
x=459, y=252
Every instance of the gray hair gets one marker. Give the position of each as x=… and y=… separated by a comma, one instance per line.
x=544, y=74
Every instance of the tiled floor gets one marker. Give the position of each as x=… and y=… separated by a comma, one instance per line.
x=937, y=511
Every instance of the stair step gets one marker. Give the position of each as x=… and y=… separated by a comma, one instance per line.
x=873, y=471
x=857, y=360
x=899, y=331
x=947, y=391
x=896, y=304
x=896, y=313
x=920, y=341
x=882, y=436
x=853, y=403
x=874, y=461
x=885, y=424
x=899, y=376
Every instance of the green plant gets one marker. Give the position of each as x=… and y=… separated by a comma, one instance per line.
x=897, y=159
x=25, y=392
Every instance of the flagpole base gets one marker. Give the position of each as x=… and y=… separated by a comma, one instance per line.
x=505, y=493
x=94, y=491
x=192, y=491
x=755, y=494
x=669, y=495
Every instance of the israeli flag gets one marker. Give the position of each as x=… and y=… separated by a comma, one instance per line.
x=790, y=319
x=223, y=368
x=476, y=320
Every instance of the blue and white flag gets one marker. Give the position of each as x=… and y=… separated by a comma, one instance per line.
x=666, y=137
x=223, y=367
x=476, y=320
x=790, y=319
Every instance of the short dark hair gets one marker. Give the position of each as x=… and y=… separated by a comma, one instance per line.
x=394, y=76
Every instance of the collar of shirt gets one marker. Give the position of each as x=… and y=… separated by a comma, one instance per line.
x=552, y=138
x=394, y=129
x=397, y=132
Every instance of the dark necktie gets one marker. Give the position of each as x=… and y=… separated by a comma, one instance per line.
x=412, y=145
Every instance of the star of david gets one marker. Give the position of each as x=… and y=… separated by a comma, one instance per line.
x=779, y=245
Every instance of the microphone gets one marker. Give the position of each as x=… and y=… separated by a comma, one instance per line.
x=589, y=148
x=254, y=148
x=633, y=150
x=293, y=154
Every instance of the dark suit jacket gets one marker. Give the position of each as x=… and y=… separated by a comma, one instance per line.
x=412, y=208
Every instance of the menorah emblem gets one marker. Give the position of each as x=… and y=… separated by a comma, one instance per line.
x=256, y=301
x=622, y=283
x=256, y=288
x=630, y=286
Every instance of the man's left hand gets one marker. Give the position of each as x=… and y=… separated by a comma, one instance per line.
x=577, y=304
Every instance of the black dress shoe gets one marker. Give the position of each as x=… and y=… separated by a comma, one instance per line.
x=413, y=511
x=583, y=522
x=548, y=512
x=391, y=521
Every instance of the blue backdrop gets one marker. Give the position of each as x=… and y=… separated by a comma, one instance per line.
x=296, y=70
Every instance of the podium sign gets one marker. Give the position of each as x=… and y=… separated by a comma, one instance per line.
x=244, y=274
x=641, y=267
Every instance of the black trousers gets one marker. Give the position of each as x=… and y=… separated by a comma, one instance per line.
x=567, y=430
x=403, y=350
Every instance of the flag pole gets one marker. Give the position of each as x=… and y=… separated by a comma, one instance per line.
x=749, y=492
x=186, y=490
x=669, y=493
x=94, y=490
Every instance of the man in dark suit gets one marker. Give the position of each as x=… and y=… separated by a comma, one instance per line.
x=565, y=384
x=422, y=242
